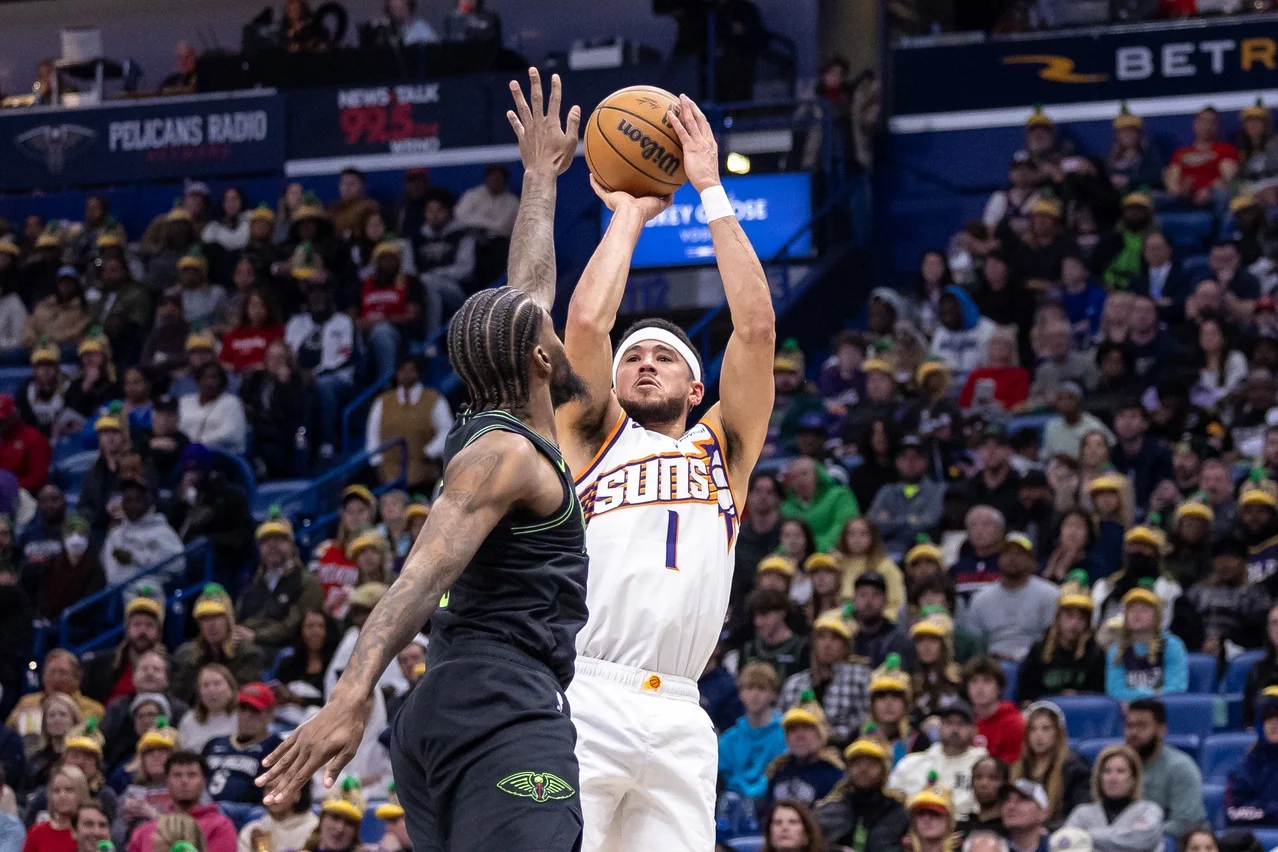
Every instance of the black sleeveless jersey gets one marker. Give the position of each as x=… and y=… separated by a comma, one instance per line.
x=526, y=585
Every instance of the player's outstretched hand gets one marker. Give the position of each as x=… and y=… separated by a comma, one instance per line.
x=543, y=143
x=700, y=151
x=330, y=737
x=650, y=207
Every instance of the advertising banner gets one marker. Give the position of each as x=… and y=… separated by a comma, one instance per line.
x=1120, y=63
x=145, y=140
x=770, y=208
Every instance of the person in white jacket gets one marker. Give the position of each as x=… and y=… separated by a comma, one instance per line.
x=211, y=416
x=963, y=334
x=951, y=759
x=141, y=540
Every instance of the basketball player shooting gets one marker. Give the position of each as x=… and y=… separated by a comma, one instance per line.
x=662, y=503
x=483, y=750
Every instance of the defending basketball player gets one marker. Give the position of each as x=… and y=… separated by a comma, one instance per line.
x=483, y=751
x=662, y=503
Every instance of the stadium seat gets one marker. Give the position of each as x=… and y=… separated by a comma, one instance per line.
x=1202, y=673
x=753, y=843
x=1190, y=714
x=1268, y=837
x=1214, y=802
x=371, y=828
x=1170, y=844
x=1235, y=679
x=1089, y=749
x=71, y=470
x=1220, y=753
x=1188, y=743
x=1189, y=230
x=1011, y=670
x=1090, y=716
x=282, y=492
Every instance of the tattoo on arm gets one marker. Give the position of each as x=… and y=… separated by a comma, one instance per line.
x=531, y=267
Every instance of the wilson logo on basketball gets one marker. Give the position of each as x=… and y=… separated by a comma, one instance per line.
x=653, y=151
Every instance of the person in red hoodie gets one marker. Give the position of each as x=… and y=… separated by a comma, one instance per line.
x=258, y=326
x=185, y=774
x=24, y=450
x=1000, y=726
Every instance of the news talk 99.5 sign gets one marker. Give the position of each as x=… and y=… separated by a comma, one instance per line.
x=134, y=141
x=1123, y=63
x=770, y=208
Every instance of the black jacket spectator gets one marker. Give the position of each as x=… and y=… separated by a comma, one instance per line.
x=274, y=613
x=1147, y=467
x=16, y=633
x=276, y=410
x=219, y=513
x=1066, y=670
x=847, y=812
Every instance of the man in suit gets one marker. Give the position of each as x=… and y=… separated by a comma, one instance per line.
x=1162, y=278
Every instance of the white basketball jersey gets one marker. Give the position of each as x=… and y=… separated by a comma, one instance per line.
x=661, y=527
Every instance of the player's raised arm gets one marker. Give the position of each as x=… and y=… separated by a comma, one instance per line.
x=592, y=312
x=546, y=149
x=745, y=383
x=496, y=473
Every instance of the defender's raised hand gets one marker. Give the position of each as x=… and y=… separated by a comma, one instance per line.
x=700, y=151
x=544, y=144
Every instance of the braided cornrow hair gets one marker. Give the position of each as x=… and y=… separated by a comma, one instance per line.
x=489, y=338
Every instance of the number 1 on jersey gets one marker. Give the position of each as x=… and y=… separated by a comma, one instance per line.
x=672, y=539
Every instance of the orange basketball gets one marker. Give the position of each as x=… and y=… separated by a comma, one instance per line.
x=631, y=147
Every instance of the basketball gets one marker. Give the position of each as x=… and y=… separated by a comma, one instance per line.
x=631, y=147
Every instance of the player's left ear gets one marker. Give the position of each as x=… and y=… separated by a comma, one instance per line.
x=695, y=394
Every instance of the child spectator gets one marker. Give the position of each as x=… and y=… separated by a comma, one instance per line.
x=1145, y=660
x=1067, y=659
x=999, y=723
x=808, y=769
x=749, y=746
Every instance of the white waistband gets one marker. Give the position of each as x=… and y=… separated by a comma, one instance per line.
x=639, y=680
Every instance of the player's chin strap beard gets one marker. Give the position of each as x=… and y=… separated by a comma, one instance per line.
x=652, y=334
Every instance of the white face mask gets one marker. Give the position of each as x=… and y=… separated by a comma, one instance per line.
x=76, y=544
x=190, y=494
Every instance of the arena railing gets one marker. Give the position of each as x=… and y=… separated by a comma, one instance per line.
x=358, y=407
x=311, y=529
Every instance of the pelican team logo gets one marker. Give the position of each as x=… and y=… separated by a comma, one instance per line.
x=538, y=786
x=52, y=143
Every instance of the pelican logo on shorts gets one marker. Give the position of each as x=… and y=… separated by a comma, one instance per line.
x=538, y=786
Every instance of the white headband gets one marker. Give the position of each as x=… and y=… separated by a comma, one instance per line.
x=656, y=335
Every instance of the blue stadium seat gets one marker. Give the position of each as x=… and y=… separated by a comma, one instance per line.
x=371, y=828
x=1190, y=714
x=1089, y=749
x=1037, y=422
x=1188, y=743
x=11, y=379
x=1202, y=673
x=1233, y=711
x=1268, y=837
x=1011, y=670
x=1090, y=716
x=1196, y=266
x=1235, y=679
x=285, y=492
x=1170, y=843
x=1189, y=230
x=71, y=470
x=753, y=843
x=1214, y=802
x=1220, y=753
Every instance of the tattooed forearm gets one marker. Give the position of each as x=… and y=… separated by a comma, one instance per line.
x=476, y=496
x=531, y=267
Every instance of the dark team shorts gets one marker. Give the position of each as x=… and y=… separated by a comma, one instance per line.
x=483, y=756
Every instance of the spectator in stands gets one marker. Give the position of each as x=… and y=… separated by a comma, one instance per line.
x=860, y=549
x=1060, y=362
x=210, y=506
x=119, y=726
x=60, y=674
x=68, y=792
x=490, y=208
x=1064, y=433
x=875, y=637
x=817, y=499
x=141, y=539
x=934, y=276
x=217, y=642
x=329, y=560
x=271, y=608
x=1000, y=379
x=16, y=633
x=906, y=509
x=1067, y=659
x=936, y=679
x=1044, y=246
x=213, y=711
x=390, y=307
x=24, y=451
x=998, y=722
x=759, y=535
x=1228, y=271
x=392, y=510
x=1171, y=778
x=997, y=484
x=979, y=555
x=1138, y=455
x=202, y=300
x=1162, y=278
x=405, y=30
x=42, y=397
x=445, y=251
x=840, y=687
x=808, y=769
x=1143, y=547
x=859, y=805
x=1198, y=170
x=109, y=674
x=412, y=206
x=301, y=668
x=1226, y=604
x=235, y=761
x=277, y=407
x=1117, y=259
x=1265, y=672
x=1145, y=660
x=230, y=230
x=62, y=317
x=96, y=385
x=842, y=380
x=352, y=205
x=59, y=568
x=212, y=416
x=60, y=714
x=183, y=79
x=1189, y=559
x=1132, y=162
x=952, y=760
x=1119, y=819
x=90, y=826
x=288, y=825
x=1250, y=797
x=257, y=327
x=1010, y=208
x=164, y=353
x=880, y=403
x=989, y=778
x=186, y=774
x=324, y=342
x=163, y=445
x=746, y=749
x=1048, y=761
x=300, y=31
x=1012, y=613
x=1082, y=300
x=773, y=641
x=142, y=778
x=963, y=333
x=1223, y=369
x=201, y=349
